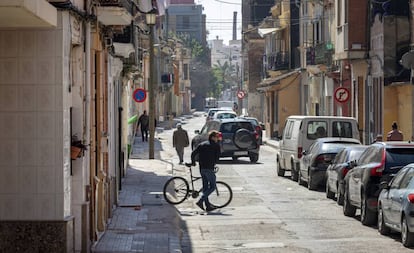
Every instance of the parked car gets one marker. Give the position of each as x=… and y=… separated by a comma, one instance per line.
x=301, y=131
x=224, y=115
x=316, y=160
x=238, y=138
x=257, y=125
x=396, y=205
x=336, y=172
x=212, y=111
x=378, y=163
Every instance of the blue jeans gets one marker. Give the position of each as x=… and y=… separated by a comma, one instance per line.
x=209, y=183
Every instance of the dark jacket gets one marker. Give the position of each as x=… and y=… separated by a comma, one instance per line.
x=180, y=138
x=208, y=154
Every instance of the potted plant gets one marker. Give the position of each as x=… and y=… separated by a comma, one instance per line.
x=77, y=148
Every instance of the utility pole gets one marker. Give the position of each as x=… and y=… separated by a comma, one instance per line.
x=151, y=18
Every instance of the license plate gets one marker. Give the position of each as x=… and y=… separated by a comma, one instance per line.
x=240, y=153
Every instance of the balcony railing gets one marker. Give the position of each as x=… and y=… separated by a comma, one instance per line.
x=319, y=54
x=125, y=36
x=118, y=3
x=277, y=61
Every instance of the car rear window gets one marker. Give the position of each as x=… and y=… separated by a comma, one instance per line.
x=399, y=157
x=232, y=127
x=342, y=129
x=316, y=129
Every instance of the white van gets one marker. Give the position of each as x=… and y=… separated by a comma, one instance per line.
x=300, y=132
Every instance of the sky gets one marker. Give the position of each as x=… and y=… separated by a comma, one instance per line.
x=219, y=15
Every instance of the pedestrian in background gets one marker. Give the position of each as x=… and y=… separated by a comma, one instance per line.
x=143, y=120
x=208, y=153
x=395, y=134
x=180, y=141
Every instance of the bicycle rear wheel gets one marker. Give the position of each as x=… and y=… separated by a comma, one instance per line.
x=176, y=190
x=222, y=196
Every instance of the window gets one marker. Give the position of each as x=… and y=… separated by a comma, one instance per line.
x=185, y=71
x=339, y=13
x=397, y=180
x=316, y=129
x=407, y=178
x=288, y=129
x=341, y=129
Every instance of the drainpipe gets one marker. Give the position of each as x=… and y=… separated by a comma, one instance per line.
x=87, y=138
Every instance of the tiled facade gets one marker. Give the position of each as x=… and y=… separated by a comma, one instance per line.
x=34, y=105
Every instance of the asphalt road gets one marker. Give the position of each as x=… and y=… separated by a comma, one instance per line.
x=271, y=214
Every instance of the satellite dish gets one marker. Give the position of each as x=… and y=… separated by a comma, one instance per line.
x=407, y=60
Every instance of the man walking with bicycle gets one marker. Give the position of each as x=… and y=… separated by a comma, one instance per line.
x=208, y=153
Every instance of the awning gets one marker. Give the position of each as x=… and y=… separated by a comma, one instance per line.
x=268, y=83
x=123, y=49
x=264, y=31
x=133, y=119
x=33, y=13
x=110, y=15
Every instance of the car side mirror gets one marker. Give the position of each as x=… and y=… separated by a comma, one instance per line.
x=384, y=185
x=197, y=131
x=352, y=164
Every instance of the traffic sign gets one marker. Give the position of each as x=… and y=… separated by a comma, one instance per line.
x=140, y=95
x=241, y=94
x=341, y=94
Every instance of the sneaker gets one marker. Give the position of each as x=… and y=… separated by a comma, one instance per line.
x=211, y=208
x=200, y=204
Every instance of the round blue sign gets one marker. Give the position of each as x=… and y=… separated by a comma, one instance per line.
x=140, y=95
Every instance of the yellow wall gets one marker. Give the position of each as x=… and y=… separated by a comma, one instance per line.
x=398, y=107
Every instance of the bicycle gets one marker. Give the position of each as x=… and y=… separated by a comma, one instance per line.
x=177, y=190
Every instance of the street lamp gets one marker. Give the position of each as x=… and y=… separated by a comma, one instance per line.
x=151, y=18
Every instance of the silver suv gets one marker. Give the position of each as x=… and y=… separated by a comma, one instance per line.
x=238, y=138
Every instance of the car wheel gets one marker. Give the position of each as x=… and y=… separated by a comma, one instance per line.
x=382, y=228
x=340, y=196
x=293, y=172
x=311, y=182
x=367, y=216
x=407, y=237
x=329, y=193
x=348, y=209
x=254, y=158
x=300, y=180
x=280, y=171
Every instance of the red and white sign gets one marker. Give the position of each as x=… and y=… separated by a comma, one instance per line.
x=341, y=94
x=241, y=94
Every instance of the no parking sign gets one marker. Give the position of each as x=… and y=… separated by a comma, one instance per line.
x=140, y=95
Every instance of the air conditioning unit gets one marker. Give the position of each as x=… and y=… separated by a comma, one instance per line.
x=108, y=42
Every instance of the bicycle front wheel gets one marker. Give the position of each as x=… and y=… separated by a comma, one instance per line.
x=176, y=190
x=222, y=195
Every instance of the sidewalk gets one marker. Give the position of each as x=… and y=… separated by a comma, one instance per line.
x=143, y=221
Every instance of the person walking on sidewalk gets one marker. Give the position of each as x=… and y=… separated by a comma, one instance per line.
x=395, y=134
x=143, y=120
x=208, y=153
x=180, y=141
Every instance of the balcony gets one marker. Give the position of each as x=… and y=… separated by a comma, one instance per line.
x=27, y=14
x=277, y=61
x=319, y=54
x=115, y=12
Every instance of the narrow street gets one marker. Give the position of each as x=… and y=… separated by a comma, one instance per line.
x=269, y=213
